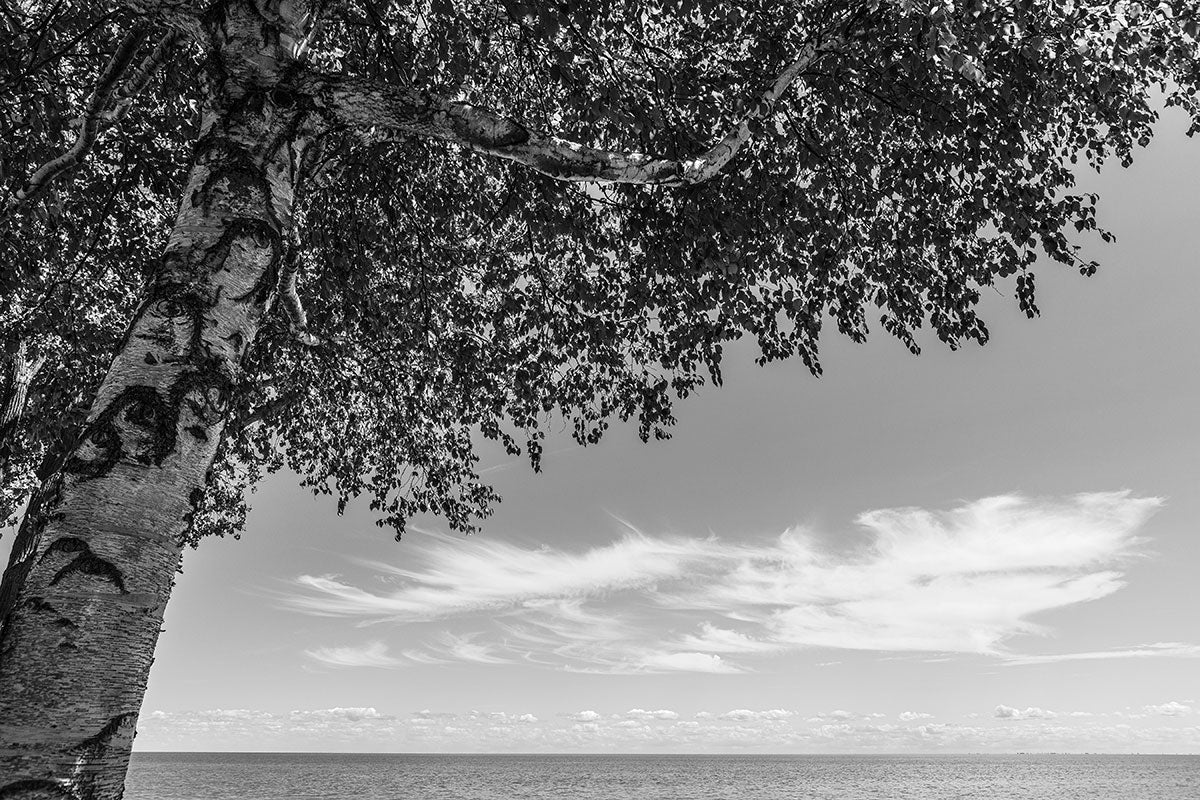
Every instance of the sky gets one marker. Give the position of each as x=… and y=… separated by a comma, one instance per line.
x=989, y=550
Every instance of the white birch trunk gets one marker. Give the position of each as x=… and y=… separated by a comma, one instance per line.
x=84, y=594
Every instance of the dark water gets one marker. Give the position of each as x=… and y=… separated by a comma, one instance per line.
x=301, y=776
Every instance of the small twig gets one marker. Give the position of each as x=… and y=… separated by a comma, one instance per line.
x=267, y=411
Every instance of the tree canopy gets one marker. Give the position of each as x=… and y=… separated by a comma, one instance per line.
x=485, y=248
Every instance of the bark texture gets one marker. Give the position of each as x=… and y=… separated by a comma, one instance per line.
x=84, y=594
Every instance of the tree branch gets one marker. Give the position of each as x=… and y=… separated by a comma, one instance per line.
x=377, y=108
x=96, y=115
x=286, y=292
x=265, y=412
x=138, y=79
x=90, y=122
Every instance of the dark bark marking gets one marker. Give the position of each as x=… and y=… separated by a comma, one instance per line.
x=263, y=233
x=109, y=444
x=236, y=339
x=86, y=562
x=28, y=537
x=67, y=544
x=195, y=499
x=92, y=564
x=140, y=406
x=282, y=97
x=96, y=744
x=213, y=388
x=33, y=787
x=489, y=133
x=40, y=604
x=242, y=179
x=174, y=301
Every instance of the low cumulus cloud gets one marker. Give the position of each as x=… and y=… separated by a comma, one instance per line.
x=745, y=714
x=1009, y=712
x=912, y=716
x=838, y=714
x=963, y=581
x=1170, y=709
x=638, y=713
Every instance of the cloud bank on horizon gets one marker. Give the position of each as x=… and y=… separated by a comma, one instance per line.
x=664, y=730
x=968, y=580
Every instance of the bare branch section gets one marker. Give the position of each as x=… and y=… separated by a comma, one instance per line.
x=378, y=108
x=141, y=76
x=97, y=115
x=290, y=299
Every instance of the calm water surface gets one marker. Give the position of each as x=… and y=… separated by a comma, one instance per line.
x=301, y=776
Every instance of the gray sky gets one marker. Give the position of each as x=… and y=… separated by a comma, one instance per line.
x=993, y=549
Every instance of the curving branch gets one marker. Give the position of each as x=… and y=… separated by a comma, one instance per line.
x=383, y=110
x=96, y=114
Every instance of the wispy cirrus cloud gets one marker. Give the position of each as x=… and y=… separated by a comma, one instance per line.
x=966, y=580
x=1156, y=650
x=477, y=575
x=372, y=654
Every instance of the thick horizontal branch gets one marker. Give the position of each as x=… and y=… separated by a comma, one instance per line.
x=385, y=110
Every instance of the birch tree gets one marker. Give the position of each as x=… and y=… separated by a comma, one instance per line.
x=407, y=227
